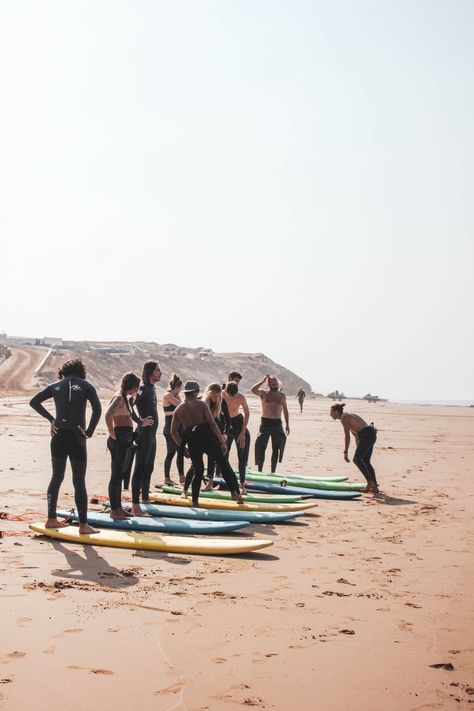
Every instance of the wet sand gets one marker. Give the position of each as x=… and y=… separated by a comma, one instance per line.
x=349, y=609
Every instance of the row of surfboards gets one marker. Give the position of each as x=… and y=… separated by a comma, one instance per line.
x=274, y=499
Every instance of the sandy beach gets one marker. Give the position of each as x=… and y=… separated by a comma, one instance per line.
x=355, y=606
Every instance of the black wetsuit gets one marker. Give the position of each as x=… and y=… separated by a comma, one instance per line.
x=147, y=405
x=235, y=428
x=273, y=428
x=121, y=453
x=171, y=446
x=70, y=398
x=201, y=440
x=366, y=439
x=301, y=397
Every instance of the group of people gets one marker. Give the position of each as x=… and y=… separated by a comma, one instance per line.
x=193, y=427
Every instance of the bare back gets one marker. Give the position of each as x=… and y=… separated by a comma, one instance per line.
x=353, y=423
x=118, y=412
x=191, y=413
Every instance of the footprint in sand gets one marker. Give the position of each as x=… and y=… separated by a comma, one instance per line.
x=16, y=655
x=173, y=689
x=22, y=621
x=106, y=672
x=49, y=650
x=73, y=630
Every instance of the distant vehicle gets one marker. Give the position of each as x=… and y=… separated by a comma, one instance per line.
x=171, y=351
x=206, y=353
x=373, y=398
x=336, y=395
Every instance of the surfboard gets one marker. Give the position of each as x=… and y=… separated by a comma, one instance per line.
x=313, y=493
x=307, y=483
x=249, y=498
x=269, y=517
x=138, y=540
x=229, y=505
x=170, y=525
x=285, y=475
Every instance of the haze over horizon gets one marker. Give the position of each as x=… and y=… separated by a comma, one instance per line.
x=256, y=177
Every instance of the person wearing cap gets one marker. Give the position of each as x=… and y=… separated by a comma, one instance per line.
x=201, y=436
x=273, y=403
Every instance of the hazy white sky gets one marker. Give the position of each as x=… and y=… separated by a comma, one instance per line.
x=288, y=177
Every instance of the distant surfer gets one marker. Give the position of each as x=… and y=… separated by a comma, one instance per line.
x=171, y=400
x=301, y=396
x=237, y=430
x=69, y=436
x=273, y=403
x=147, y=406
x=365, y=436
x=201, y=435
x=119, y=419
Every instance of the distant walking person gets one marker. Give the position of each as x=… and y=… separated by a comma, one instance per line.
x=273, y=403
x=301, y=396
x=365, y=436
x=147, y=406
x=171, y=400
x=201, y=435
x=238, y=427
x=119, y=419
x=69, y=435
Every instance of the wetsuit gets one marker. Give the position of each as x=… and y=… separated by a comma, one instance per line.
x=213, y=467
x=121, y=453
x=70, y=399
x=301, y=397
x=235, y=428
x=147, y=406
x=201, y=440
x=171, y=446
x=273, y=428
x=366, y=439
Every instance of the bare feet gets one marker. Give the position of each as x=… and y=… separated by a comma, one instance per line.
x=118, y=515
x=196, y=504
x=170, y=482
x=208, y=486
x=84, y=528
x=237, y=498
x=242, y=489
x=54, y=523
x=137, y=510
x=184, y=495
x=181, y=479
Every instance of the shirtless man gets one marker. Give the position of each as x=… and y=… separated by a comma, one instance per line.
x=237, y=429
x=365, y=436
x=273, y=403
x=201, y=435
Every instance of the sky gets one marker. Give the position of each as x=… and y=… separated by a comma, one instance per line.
x=293, y=178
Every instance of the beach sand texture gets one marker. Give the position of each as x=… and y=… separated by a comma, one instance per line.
x=349, y=609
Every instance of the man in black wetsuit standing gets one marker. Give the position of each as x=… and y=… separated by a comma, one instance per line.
x=273, y=404
x=301, y=396
x=201, y=435
x=147, y=406
x=69, y=435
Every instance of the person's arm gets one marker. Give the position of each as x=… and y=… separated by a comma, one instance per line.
x=40, y=397
x=286, y=414
x=96, y=411
x=246, y=410
x=109, y=415
x=346, y=422
x=256, y=388
x=175, y=423
x=212, y=423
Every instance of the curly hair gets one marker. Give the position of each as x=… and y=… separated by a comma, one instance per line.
x=72, y=367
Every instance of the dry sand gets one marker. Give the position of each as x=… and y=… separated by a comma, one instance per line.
x=349, y=609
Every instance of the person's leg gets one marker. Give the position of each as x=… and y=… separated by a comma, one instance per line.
x=59, y=454
x=141, y=457
x=78, y=459
x=362, y=457
x=261, y=443
x=180, y=463
x=196, y=451
x=243, y=454
x=148, y=469
x=278, y=446
x=358, y=460
x=119, y=451
x=227, y=472
x=211, y=467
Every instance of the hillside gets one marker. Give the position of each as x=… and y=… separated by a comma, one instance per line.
x=105, y=368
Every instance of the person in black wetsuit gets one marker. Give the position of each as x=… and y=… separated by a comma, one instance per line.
x=147, y=406
x=171, y=400
x=365, y=436
x=273, y=404
x=119, y=419
x=201, y=435
x=237, y=429
x=69, y=435
x=301, y=396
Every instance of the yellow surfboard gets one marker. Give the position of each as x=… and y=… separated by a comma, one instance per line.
x=154, y=541
x=230, y=505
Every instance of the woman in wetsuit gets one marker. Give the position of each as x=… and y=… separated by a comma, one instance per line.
x=171, y=400
x=119, y=420
x=365, y=436
x=69, y=436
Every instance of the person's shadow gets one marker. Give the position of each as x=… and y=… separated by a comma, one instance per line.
x=382, y=498
x=91, y=567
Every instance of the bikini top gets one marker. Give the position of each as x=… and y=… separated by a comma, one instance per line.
x=169, y=408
